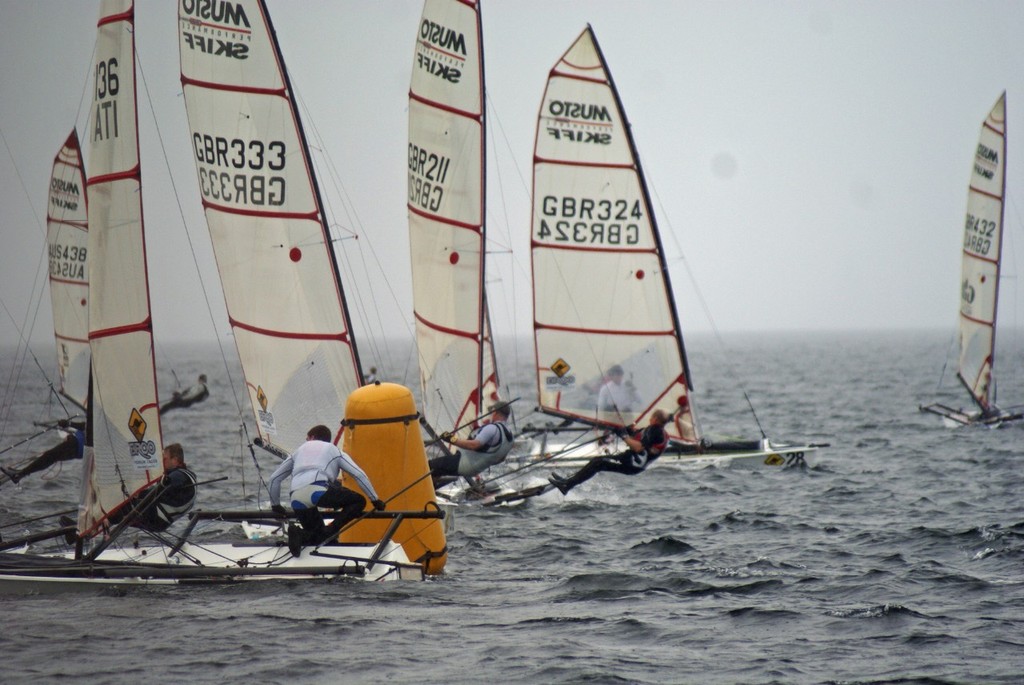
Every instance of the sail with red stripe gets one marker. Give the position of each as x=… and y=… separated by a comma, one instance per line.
x=604, y=313
x=67, y=238
x=446, y=214
x=124, y=444
x=278, y=270
x=983, y=230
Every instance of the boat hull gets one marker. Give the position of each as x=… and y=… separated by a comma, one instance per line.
x=205, y=563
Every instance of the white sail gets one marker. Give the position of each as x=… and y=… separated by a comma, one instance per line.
x=266, y=219
x=124, y=445
x=446, y=213
x=67, y=236
x=983, y=228
x=602, y=296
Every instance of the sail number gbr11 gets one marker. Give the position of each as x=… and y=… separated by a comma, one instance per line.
x=228, y=176
x=584, y=221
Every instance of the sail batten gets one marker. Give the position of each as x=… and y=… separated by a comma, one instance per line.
x=274, y=252
x=603, y=303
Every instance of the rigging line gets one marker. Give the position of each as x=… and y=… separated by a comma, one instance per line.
x=349, y=210
x=188, y=236
x=15, y=375
x=19, y=354
x=729, y=365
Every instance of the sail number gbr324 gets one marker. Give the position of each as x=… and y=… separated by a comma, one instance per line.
x=584, y=221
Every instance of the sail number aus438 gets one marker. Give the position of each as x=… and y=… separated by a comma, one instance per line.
x=978, y=234
x=581, y=220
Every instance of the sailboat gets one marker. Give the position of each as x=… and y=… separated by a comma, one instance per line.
x=979, y=280
x=446, y=204
x=603, y=303
x=123, y=435
x=66, y=244
x=67, y=235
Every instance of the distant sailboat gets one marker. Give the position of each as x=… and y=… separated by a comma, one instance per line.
x=447, y=197
x=979, y=282
x=67, y=236
x=604, y=311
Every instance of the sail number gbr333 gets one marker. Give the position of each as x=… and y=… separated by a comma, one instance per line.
x=241, y=172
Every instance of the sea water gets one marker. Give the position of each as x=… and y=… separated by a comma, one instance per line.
x=898, y=558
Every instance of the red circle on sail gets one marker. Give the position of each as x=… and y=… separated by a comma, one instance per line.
x=683, y=402
x=295, y=254
x=454, y=258
x=982, y=279
x=83, y=301
x=639, y=274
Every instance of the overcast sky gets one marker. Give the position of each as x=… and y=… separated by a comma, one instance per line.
x=808, y=160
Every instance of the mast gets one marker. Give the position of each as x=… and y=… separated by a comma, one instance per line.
x=279, y=273
x=982, y=249
x=603, y=302
x=67, y=238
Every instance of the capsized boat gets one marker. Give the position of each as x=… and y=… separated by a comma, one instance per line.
x=609, y=346
x=979, y=279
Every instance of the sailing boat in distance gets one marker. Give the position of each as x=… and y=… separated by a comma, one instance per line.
x=608, y=341
x=979, y=282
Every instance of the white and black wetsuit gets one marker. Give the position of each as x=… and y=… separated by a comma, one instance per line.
x=653, y=440
x=497, y=443
x=314, y=469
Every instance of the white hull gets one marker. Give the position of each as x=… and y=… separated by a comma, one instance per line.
x=206, y=563
x=564, y=452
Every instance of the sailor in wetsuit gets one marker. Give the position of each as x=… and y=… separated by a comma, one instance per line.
x=194, y=394
x=314, y=469
x=177, y=495
x=644, y=447
x=485, y=447
x=72, y=447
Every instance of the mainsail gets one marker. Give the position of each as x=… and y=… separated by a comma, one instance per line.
x=123, y=443
x=446, y=213
x=983, y=229
x=67, y=236
x=602, y=296
x=267, y=222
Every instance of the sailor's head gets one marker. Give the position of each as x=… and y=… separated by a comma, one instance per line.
x=502, y=409
x=173, y=456
x=659, y=417
x=320, y=432
x=615, y=373
x=202, y=378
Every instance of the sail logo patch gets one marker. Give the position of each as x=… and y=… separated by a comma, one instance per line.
x=261, y=397
x=137, y=425
x=560, y=367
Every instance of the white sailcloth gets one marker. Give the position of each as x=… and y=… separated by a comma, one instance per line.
x=266, y=219
x=602, y=296
x=67, y=237
x=983, y=229
x=124, y=445
x=446, y=213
